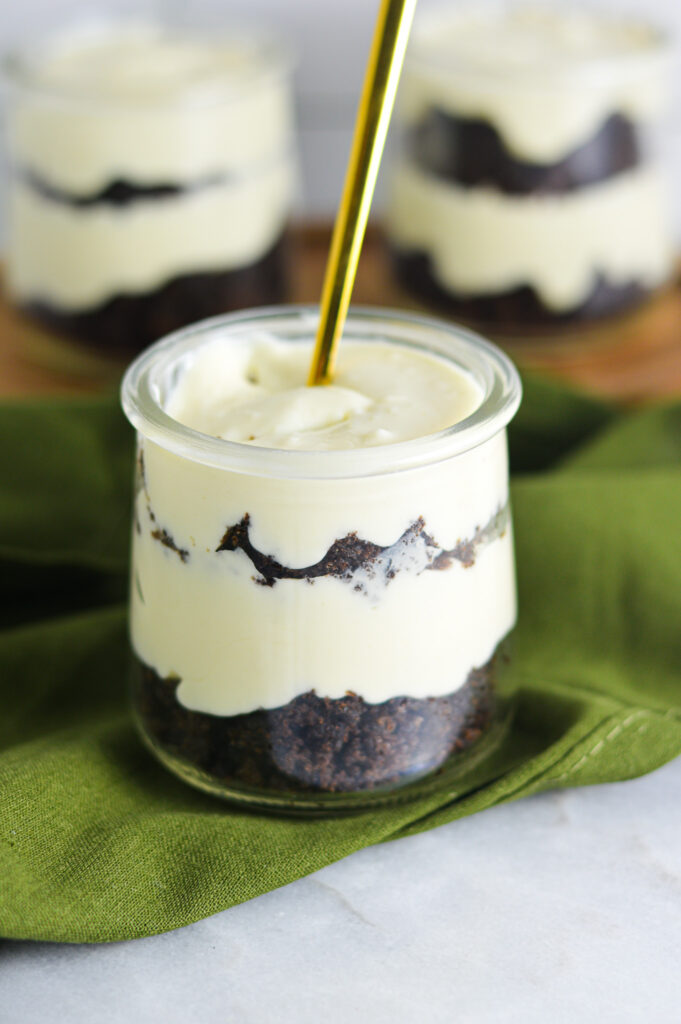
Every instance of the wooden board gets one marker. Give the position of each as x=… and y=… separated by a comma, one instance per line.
x=632, y=359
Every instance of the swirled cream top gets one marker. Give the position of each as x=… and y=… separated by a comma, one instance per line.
x=382, y=393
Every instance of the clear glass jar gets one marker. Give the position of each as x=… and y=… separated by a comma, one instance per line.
x=314, y=631
x=152, y=178
x=530, y=190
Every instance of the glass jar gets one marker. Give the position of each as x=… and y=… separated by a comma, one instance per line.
x=314, y=631
x=530, y=189
x=152, y=179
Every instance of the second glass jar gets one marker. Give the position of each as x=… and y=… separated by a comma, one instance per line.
x=531, y=191
x=152, y=179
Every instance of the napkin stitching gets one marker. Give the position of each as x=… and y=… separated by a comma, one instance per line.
x=526, y=786
x=530, y=783
x=616, y=731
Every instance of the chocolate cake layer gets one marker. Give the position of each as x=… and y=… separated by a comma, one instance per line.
x=516, y=308
x=130, y=321
x=116, y=193
x=316, y=744
x=471, y=152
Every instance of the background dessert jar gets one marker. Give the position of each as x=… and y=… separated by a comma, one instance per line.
x=322, y=578
x=531, y=189
x=152, y=178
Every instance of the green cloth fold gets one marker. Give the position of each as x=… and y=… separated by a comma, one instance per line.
x=97, y=842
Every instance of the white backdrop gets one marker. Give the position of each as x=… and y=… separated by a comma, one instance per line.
x=331, y=40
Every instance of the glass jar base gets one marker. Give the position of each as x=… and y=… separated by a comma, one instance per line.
x=328, y=804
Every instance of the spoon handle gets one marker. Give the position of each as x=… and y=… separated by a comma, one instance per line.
x=371, y=127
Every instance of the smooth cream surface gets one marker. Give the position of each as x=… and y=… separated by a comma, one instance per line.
x=546, y=78
x=480, y=240
x=381, y=394
x=140, y=62
x=529, y=38
x=77, y=258
x=148, y=106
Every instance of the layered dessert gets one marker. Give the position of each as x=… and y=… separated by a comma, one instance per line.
x=152, y=179
x=322, y=578
x=529, y=191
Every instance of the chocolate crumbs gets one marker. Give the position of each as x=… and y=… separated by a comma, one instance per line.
x=318, y=744
x=359, y=561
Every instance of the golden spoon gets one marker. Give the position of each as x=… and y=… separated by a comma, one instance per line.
x=371, y=127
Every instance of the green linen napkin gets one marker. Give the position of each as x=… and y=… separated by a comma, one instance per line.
x=97, y=842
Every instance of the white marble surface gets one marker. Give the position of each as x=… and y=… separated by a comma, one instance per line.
x=561, y=908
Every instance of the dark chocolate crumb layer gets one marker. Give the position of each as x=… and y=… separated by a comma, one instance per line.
x=358, y=561
x=472, y=153
x=316, y=744
x=115, y=193
x=343, y=558
x=518, y=307
x=130, y=322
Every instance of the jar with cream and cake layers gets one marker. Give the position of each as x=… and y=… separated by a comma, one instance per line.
x=530, y=190
x=152, y=179
x=322, y=578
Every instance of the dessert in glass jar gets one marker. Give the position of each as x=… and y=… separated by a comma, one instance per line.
x=322, y=578
x=152, y=179
x=530, y=190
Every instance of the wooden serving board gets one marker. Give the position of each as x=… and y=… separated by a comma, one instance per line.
x=632, y=359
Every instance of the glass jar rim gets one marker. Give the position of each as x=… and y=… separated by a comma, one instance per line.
x=275, y=60
x=592, y=70
x=492, y=369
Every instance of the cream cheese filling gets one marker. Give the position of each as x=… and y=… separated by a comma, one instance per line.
x=398, y=625
x=148, y=106
x=483, y=241
x=237, y=645
x=546, y=79
x=77, y=258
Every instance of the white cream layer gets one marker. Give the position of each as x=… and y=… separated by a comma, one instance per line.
x=76, y=258
x=254, y=391
x=482, y=241
x=148, y=106
x=238, y=646
x=546, y=78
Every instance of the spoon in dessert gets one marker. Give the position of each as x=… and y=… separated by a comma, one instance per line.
x=371, y=127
